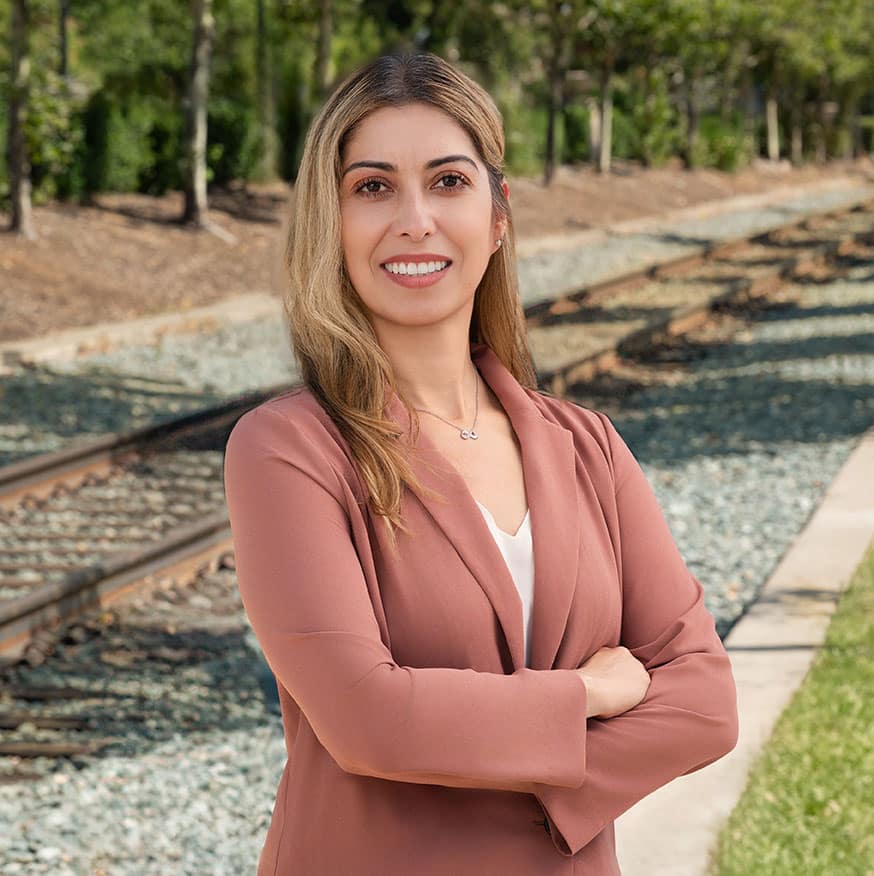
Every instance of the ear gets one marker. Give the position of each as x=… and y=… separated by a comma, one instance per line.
x=501, y=224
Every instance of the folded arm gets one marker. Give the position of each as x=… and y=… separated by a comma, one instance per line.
x=688, y=718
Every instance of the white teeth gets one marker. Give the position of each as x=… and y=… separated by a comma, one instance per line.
x=415, y=268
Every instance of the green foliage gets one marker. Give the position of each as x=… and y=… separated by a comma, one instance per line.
x=233, y=140
x=575, y=145
x=129, y=63
x=165, y=169
x=524, y=128
x=51, y=133
x=118, y=146
x=653, y=117
x=626, y=137
x=721, y=143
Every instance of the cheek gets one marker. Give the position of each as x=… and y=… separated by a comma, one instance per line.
x=358, y=238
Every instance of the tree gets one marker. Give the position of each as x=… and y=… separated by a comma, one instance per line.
x=17, y=156
x=198, y=95
x=268, y=164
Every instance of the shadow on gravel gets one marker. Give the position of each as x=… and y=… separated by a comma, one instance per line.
x=45, y=410
x=677, y=239
x=596, y=313
x=796, y=350
x=739, y=415
x=146, y=683
x=731, y=397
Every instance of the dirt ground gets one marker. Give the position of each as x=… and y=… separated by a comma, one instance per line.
x=126, y=256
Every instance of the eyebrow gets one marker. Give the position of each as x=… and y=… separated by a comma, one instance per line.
x=434, y=162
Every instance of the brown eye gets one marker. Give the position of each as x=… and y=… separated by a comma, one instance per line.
x=368, y=182
x=462, y=182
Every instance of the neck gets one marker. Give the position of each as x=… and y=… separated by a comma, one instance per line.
x=440, y=379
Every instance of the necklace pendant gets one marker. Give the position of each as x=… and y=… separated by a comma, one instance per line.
x=465, y=433
x=473, y=434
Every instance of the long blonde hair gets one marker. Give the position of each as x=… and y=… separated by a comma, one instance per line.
x=334, y=343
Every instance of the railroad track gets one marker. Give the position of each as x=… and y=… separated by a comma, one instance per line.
x=136, y=513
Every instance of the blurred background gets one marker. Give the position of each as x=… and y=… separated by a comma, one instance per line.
x=692, y=187
x=103, y=95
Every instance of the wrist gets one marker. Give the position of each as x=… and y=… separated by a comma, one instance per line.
x=592, y=705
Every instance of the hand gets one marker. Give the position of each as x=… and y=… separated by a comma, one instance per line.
x=616, y=681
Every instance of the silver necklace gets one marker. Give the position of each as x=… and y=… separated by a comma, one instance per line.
x=464, y=433
x=471, y=432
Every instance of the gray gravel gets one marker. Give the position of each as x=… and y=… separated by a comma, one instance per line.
x=542, y=275
x=741, y=450
x=739, y=445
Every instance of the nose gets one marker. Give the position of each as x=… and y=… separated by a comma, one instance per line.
x=415, y=216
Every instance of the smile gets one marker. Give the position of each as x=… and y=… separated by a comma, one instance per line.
x=416, y=280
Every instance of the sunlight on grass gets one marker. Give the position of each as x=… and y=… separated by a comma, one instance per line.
x=808, y=806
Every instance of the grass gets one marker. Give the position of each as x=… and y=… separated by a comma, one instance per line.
x=808, y=806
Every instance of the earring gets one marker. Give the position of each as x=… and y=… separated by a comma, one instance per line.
x=500, y=241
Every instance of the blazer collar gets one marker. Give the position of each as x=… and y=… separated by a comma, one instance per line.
x=548, y=462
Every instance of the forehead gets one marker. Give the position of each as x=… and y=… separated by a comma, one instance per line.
x=408, y=135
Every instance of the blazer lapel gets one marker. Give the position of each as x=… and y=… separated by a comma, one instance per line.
x=549, y=466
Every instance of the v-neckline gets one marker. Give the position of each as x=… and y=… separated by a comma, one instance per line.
x=491, y=517
x=551, y=484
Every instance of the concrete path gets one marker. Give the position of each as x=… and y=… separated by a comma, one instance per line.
x=671, y=831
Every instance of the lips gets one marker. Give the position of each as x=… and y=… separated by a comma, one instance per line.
x=417, y=281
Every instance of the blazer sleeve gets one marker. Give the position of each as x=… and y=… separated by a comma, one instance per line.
x=688, y=718
x=304, y=591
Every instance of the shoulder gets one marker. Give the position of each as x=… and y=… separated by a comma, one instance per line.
x=294, y=428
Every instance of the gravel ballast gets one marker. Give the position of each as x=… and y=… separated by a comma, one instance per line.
x=739, y=445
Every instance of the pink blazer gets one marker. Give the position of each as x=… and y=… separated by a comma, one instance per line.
x=418, y=741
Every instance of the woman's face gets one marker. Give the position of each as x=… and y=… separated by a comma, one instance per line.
x=415, y=213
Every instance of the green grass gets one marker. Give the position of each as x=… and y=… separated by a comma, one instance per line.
x=808, y=806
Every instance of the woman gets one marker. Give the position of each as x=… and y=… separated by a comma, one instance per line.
x=486, y=644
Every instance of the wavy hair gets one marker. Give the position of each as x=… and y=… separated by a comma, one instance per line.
x=336, y=348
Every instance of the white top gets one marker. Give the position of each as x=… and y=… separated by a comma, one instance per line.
x=519, y=555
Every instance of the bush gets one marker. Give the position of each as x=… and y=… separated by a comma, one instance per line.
x=721, y=144
x=654, y=118
x=575, y=143
x=525, y=130
x=232, y=151
x=120, y=153
x=52, y=133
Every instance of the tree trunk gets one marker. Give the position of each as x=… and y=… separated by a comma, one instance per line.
x=196, y=114
x=63, y=16
x=820, y=133
x=648, y=102
x=605, y=151
x=594, y=129
x=858, y=147
x=322, y=73
x=268, y=160
x=772, y=120
x=692, y=121
x=796, y=147
x=796, y=141
x=556, y=97
x=552, y=109
x=17, y=158
x=751, y=113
